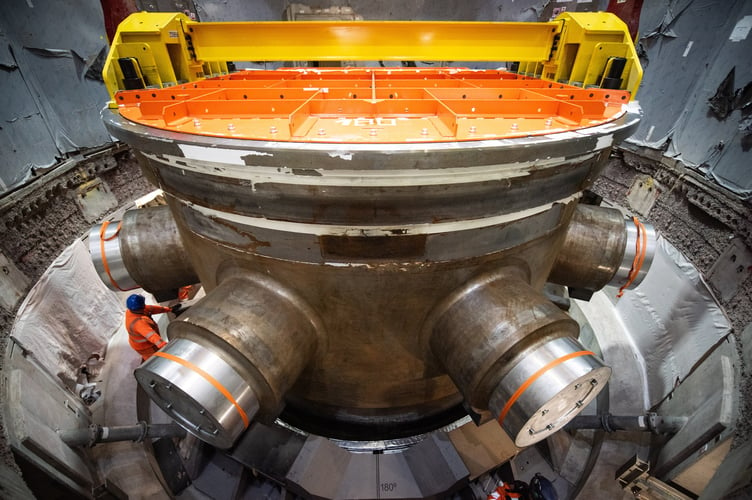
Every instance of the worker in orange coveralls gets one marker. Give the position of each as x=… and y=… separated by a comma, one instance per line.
x=143, y=333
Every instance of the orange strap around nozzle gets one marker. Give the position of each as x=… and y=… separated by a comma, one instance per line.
x=102, y=239
x=535, y=376
x=217, y=385
x=641, y=245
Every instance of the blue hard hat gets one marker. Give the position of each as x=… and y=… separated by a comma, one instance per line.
x=135, y=302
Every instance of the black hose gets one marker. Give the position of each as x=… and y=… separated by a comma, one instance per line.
x=89, y=436
x=646, y=423
x=608, y=423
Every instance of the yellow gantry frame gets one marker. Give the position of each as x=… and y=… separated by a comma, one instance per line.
x=576, y=48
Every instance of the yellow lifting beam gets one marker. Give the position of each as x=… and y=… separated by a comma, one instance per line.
x=373, y=41
x=155, y=50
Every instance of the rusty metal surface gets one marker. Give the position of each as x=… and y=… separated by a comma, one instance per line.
x=372, y=314
x=153, y=252
x=511, y=350
x=481, y=329
x=368, y=238
x=595, y=235
x=143, y=250
x=262, y=330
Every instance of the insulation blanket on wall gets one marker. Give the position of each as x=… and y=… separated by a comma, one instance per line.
x=51, y=56
x=673, y=319
x=696, y=87
x=68, y=315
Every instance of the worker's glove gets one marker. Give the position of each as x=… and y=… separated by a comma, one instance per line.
x=176, y=308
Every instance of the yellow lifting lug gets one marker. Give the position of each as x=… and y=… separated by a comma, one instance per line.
x=151, y=50
x=594, y=50
x=156, y=50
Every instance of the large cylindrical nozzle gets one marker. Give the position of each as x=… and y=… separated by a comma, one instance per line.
x=546, y=388
x=143, y=250
x=232, y=357
x=602, y=248
x=510, y=350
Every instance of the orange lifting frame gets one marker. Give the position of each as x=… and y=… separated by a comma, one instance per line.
x=371, y=105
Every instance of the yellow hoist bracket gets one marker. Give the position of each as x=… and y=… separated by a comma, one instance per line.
x=586, y=49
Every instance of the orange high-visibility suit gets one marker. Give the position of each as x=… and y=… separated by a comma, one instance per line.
x=143, y=333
